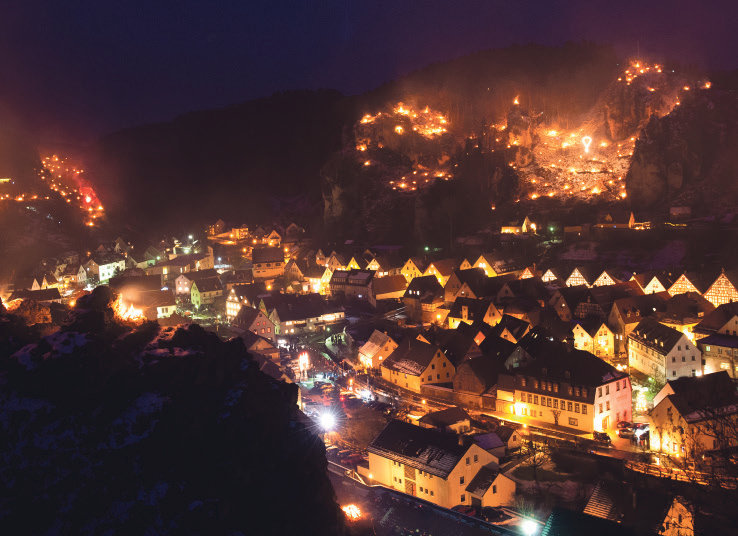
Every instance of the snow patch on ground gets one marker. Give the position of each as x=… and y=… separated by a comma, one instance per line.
x=139, y=415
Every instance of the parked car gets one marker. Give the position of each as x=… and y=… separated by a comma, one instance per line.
x=331, y=453
x=352, y=459
x=352, y=403
x=625, y=429
x=465, y=509
x=602, y=437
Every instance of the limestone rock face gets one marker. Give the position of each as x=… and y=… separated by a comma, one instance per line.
x=687, y=156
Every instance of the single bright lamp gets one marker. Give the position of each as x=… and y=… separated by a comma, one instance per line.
x=327, y=421
x=529, y=527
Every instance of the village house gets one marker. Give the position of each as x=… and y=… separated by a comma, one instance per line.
x=183, y=282
x=568, y=388
x=583, y=275
x=293, y=314
x=654, y=281
x=424, y=295
x=683, y=312
x=663, y=352
x=724, y=289
x=442, y=269
x=453, y=419
x=43, y=296
x=376, y=349
x=391, y=287
x=523, y=226
x=690, y=282
x=414, y=267
x=626, y=314
x=471, y=277
x=415, y=363
x=594, y=337
x=205, y=291
x=255, y=321
x=720, y=353
x=693, y=416
x=241, y=295
x=441, y=468
x=551, y=275
x=353, y=285
x=268, y=262
x=337, y=261
x=469, y=310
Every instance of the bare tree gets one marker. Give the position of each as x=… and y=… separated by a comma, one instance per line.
x=536, y=455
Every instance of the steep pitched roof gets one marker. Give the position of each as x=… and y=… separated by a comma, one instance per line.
x=641, y=510
x=476, y=308
x=262, y=255
x=445, y=417
x=42, y=295
x=699, y=393
x=246, y=316
x=482, y=481
x=654, y=334
x=375, y=343
x=208, y=284
x=515, y=326
x=412, y=356
x=717, y=318
x=424, y=449
x=683, y=308
x=488, y=441
x=389, y=284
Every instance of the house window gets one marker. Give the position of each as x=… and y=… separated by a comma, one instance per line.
x=607, y=389
x=430, y=377
x=573, y=422
x=570, y=406
x=599, y=391
x=556, y=403
x=468, y=460
x=535, y=399
x=584, y=409
x=447, y=374
x=494, y=488
x=431, y=493
x=476, y=458
x=421, y=490
x=438, y=376
x=576, y=408
x=461, y=481
x=607, y=405
x=444, y=364
x=600, y=408
x=625, y=383
x=433, y=367
x=463, y=498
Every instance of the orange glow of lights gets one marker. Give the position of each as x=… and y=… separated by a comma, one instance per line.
x=352, y=512
x=88, y=199
x=130, y=313
x=516, y=100
x=399, y=129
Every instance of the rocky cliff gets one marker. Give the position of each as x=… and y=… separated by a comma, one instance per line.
x=688, y=157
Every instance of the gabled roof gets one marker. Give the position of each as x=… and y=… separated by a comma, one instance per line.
x=640, y=307
x=445, y=267
x=425, y=288
x=573, y=295
x=504, y=432
x=700, y=393
x=208, y=284
x=488, y=441
x=445, y=417
x=262, y=255
x=473, y=277
x=701, y=281
x=412, y=356
x=454, y=344
x=389, y=284
x=496, y=347
x=643, y=511
x=685, y=308
x=482, y=481
x=424, y=449
x=246, y=316
x=515, y=326
x=665, y=277
x=476, y=308
x=250, y=291
x=486, y=368
x=420, y=263
x=717, y=318
x=375, y=343
x=576, y=367
x=589, y=272
x=315, y=271
x=654, y=334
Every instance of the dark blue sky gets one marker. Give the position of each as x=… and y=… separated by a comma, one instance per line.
x=84, y=68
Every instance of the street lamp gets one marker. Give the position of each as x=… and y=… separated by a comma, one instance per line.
x=529, y=527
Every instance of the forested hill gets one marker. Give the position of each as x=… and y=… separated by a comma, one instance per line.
x=249, y=161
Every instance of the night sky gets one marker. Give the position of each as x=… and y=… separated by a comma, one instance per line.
x=82, y=68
